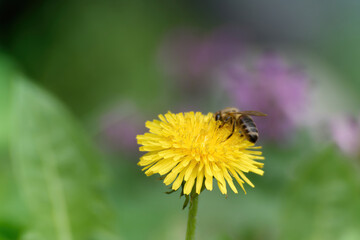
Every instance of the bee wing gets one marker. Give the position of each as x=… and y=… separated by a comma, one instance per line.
x=253, y=113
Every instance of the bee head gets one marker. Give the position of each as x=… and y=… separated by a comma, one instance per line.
x=217, y=116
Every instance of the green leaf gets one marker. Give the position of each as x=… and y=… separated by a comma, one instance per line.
x=7, y=76
x=12, y=209
x=323, y=200
x=60, y=174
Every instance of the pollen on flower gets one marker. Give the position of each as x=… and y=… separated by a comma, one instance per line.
x=190, y=150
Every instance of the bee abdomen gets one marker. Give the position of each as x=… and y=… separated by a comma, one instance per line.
x=247, y=123
x=247, y=120
x=249, y=128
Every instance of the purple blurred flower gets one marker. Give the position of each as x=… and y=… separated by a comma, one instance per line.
x=272, y=86
x=345, y=132
x=119, y=127
x=190, y=57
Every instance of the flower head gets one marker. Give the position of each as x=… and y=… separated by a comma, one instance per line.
x=190, y=150
x=345, y=132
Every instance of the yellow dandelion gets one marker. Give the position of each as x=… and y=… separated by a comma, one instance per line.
x=190, y=149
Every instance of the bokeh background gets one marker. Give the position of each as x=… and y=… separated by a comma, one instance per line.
x=78, y=80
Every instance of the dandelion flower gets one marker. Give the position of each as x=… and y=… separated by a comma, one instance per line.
x=190, y=150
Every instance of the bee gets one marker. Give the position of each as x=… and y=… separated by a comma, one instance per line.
x=240, y=119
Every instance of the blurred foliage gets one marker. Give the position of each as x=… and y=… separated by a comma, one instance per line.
x=12, y=209
x=102, y=50
x=7, y=75
x=58, y=170
x=322, y=200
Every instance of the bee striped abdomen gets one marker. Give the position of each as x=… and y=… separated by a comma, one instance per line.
x=249, y=129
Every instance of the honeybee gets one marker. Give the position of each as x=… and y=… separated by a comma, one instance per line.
x=240, y=119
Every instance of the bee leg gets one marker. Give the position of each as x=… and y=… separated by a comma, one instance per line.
x=233, y=130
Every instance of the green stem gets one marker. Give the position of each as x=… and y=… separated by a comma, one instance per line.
x=191, y=225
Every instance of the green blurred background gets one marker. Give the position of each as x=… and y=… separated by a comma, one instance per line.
x=78, y=80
